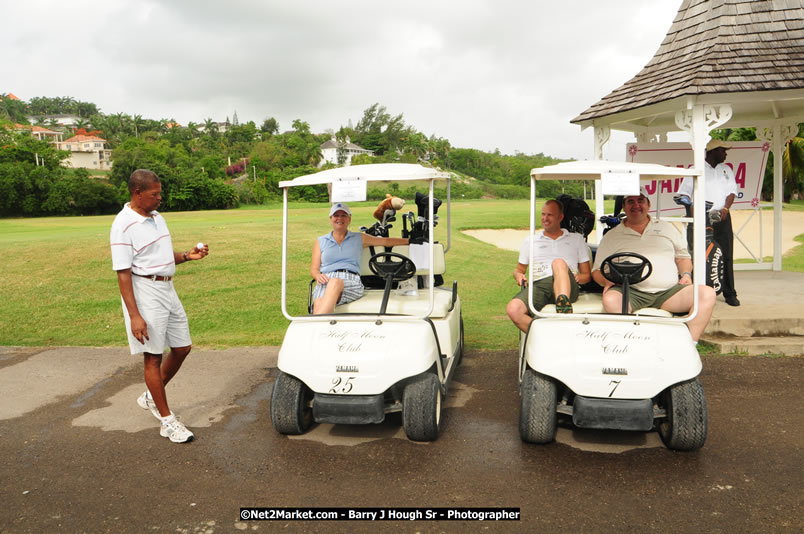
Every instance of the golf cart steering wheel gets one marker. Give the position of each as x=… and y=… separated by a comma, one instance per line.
x=397, y=266
x=618, y=270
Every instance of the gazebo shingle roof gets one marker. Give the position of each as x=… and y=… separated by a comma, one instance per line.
x=718, y=46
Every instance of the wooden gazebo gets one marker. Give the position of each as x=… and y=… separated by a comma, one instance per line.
x=723, y=63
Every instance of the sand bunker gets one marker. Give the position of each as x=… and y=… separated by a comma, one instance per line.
x=746, y=222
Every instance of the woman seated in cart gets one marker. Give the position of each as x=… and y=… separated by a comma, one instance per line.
x=336, y=261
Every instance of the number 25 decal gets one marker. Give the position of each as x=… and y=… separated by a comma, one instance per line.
x=341, y=386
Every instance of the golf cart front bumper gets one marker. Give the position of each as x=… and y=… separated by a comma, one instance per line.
x=614, y=414
x=348, y=410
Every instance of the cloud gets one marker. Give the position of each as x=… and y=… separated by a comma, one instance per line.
x=484, y=74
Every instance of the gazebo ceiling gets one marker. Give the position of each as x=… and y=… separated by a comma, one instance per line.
x=747, y=53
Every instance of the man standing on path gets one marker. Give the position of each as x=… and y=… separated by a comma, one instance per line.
x=721, y=190
x=560, y=266
x=143, y=256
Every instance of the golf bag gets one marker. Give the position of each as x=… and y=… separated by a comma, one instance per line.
x=419, y=228
x=714, y=254
x=380, y=228
x=578, y=218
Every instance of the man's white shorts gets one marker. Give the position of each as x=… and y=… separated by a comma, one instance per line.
x=161, y=308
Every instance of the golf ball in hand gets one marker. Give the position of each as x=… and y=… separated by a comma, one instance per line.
x=200, y=246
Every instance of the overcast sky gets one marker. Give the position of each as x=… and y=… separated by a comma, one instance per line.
x=484, y=74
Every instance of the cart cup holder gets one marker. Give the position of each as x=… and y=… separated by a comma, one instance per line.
x=392, y=267
x=626, y=268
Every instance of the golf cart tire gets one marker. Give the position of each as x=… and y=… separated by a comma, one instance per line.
x=291, y=412
x=684, y=428
x=421, y=408
x=537, y=413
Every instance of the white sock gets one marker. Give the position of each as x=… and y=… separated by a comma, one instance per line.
x=169, y=419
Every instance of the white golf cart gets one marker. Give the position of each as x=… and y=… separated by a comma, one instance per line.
x=613, y=371
x=393, y=350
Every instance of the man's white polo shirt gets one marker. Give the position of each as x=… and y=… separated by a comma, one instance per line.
x=141, y=243
x=569, y=247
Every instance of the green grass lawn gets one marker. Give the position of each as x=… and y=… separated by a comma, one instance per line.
x=58, y=286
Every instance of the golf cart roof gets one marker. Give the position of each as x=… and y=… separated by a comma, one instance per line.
x=373, y=172
x=592, y=170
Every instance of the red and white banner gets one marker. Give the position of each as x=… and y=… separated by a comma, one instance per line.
x=746, y=158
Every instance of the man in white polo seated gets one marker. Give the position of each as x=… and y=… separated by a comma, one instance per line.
x=560, y=266
x=669, y=287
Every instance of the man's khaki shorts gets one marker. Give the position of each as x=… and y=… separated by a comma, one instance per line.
x=543, y=292
x=642, y=299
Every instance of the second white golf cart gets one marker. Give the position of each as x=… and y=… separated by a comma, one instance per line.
x=613, y=371
x=393, y=350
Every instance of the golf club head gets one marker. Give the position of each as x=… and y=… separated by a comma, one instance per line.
x=422, y=202
x=389, y=213
x=714, y=216
x=683, y=200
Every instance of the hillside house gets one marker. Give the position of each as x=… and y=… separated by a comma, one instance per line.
x=40, y=133
x=329, y=152
x=87, y=152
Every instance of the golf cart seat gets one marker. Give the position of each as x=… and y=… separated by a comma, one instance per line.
x=593, y=303
x=404, y=304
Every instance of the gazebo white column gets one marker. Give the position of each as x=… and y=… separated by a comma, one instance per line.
x=778, y=135
x=602, y=135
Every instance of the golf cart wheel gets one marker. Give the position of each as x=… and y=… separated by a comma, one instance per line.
x=291, y=412
x=537, y=413
x=421, y=408
x=684, y=427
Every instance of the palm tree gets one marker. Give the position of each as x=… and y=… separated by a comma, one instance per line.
x=80, y=123
x=193, y=128
x=138, y=123
x=793, y=165
x=210, y=126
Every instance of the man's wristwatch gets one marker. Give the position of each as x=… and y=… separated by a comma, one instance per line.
x=185, y=257
x=686, y=273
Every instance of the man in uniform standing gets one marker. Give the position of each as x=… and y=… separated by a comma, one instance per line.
x=721, y=190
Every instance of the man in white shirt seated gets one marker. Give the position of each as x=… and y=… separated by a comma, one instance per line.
x=560, y=266
x=669, y=287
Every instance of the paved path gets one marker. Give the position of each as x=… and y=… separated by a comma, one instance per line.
x=78, y=455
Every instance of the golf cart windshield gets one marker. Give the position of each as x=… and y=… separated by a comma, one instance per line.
x=618, y=172
x=354, y=175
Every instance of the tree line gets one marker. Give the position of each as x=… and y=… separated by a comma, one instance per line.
x=203, y=166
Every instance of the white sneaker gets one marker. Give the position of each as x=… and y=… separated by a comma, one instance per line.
x=176, y=431
x=148, y=404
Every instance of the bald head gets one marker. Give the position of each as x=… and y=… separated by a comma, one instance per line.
x=558, y=205
x=142, y=180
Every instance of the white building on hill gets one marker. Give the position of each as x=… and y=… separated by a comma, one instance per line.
x=329, y=152
x=87, y=152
